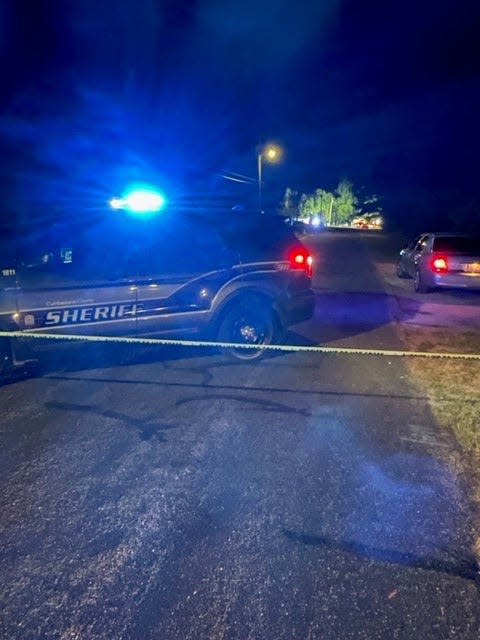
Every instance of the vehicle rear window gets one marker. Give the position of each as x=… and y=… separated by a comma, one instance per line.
x=258, y=237
x=458, y=244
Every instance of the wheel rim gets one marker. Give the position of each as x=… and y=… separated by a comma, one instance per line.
x=251, y=329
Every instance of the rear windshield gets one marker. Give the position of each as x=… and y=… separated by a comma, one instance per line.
x=258, y=237
x=458, y=244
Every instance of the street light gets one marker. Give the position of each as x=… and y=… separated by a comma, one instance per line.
x=269, y=153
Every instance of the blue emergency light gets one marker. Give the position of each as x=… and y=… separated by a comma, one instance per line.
x=140, y=200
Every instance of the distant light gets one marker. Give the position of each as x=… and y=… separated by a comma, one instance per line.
x=143, y=200
x=316, y=221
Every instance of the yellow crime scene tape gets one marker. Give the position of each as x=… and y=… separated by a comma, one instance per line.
x=391, y=353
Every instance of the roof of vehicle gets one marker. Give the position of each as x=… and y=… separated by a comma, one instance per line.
x=251, y=235
x=449, y=234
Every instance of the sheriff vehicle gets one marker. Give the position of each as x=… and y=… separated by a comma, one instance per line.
x=237, y=278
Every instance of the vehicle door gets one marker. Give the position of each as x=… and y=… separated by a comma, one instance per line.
x=410, y=254
x=181, y=264
x=421, y=251
x=83, y=286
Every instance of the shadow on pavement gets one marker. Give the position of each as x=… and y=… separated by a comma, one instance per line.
x=463, y=567
x=68, y=356
x=345, y=314
x=147, y=428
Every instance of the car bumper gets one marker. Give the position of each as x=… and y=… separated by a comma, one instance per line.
x=457, y=280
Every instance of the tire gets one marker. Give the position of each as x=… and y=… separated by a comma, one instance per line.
x=249, y=321
x=419, y=283
x=401, y=273
x=5, y=356
x=10, y=367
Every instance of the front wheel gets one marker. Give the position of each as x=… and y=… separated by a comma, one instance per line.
x=11, y=368
x=401, y=273
x=248, y=323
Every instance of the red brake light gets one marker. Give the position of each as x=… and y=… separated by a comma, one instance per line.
x=301, y=259
x=440, y=264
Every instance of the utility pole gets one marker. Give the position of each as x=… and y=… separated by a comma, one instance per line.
x=330, y=211
x=259, y=177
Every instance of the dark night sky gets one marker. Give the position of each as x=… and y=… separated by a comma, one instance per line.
x=386, y=94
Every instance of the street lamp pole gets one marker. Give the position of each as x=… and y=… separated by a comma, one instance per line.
x=259, y=178
x=271, y=153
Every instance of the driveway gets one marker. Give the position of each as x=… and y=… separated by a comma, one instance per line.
x=446, y=308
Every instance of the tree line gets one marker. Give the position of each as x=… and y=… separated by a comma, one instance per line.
x=332, y=207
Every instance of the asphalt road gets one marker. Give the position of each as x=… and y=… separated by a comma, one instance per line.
x=166, y=494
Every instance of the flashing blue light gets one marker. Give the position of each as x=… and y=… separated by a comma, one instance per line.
x=117, y=203
x=143, y=200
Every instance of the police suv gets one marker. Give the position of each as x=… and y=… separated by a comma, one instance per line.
x=237, y=278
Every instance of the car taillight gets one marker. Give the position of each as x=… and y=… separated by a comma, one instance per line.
x=439, y=264
x=301, y=259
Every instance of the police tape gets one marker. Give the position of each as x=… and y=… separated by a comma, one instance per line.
x=393, y=353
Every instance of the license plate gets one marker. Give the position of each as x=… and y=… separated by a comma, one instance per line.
x=472, y=267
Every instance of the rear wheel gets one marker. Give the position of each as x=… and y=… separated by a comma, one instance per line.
x=248, y=322
x=419, y=283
